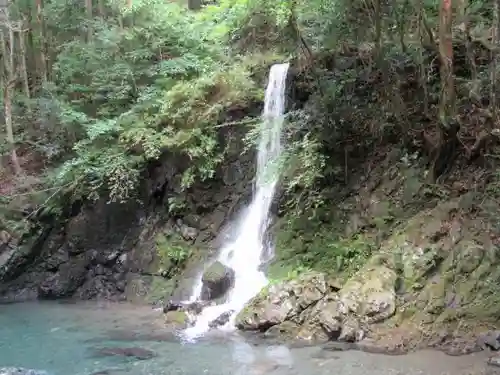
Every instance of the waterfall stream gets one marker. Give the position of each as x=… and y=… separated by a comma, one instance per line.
x=244, y=255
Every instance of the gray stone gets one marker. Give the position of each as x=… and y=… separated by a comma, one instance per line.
x=217, y=280
x=187, y=232
x=494, y=361
x=221, y=319
x=283, y=301
x=489, y=340
x=351, y=330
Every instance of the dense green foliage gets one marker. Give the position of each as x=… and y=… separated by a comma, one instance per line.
x=129, y=81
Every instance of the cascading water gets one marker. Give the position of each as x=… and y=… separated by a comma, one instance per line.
x=244, y=255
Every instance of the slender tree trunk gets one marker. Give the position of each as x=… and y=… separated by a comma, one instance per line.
x=9, y=82
x=7, y=98
x=24, y=69
x=447, y=100
x=43, y=61
x=468, y=46
x=448, y=127
x=422, y=67
x=378, y=30
x=101, y=8
x=90, y=31
x=494, y=57
x=402, y=25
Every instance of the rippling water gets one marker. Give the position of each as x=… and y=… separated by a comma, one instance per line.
x=62, y=339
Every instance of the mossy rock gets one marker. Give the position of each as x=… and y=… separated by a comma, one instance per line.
x=371, y=293
x=177, y=318
x=283, y=301
x=215, y=272
x=217, y=280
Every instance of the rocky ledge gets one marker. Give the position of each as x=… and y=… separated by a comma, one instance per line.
x=363, y=314
x=316, y=309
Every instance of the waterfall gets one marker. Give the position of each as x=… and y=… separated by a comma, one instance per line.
x=244, y=254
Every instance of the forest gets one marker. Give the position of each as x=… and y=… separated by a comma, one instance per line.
x=93, y=91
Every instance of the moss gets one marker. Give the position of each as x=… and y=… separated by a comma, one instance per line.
x=215, y=272
x=160, y=288
x=176, y=318
x=306, y=245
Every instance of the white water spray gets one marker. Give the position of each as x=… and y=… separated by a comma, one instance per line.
x=244, y=255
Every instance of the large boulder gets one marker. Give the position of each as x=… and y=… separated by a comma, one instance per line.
x=217, y=280
x=367, y=297
x=370, y=293
x=283, y=301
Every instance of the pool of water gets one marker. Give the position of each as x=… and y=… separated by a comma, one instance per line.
x=63, y=339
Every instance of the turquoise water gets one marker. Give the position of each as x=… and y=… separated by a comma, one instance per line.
x=62, y=339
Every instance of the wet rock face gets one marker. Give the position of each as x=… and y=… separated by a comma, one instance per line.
x=81, y=257
x=68, y=278
x=107, y=251
x=313, y=309
x=221, y=319
x=217, y=280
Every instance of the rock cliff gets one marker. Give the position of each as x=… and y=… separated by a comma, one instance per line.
x=142, y=250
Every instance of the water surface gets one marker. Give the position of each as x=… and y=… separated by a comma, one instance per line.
x=62, y=339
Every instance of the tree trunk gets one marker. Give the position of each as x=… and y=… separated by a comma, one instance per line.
x=494, y=57
x=468, y=46
x=7, y=99
x=447, y=100
x=378, y=30
x=24, y=69
x=101, y=8
x=90, y=31
x=448, y=126
x=42, y=61
x=421, y=58
x=9, y=82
